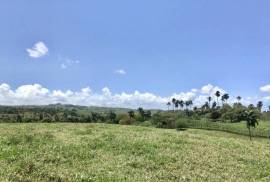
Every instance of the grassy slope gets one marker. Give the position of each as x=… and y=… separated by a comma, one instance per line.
x=98, y=152
x=262, y=130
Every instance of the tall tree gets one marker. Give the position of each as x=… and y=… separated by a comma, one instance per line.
x=251, y=106
x=260, y=105
x=176, y=104
x=187, y=104
x=214, y=105
x=112, y=117
x=238, y=99
x=181, y=103
x=131, y=114
x=225, y=98
x=173, y=101
x=252, y=120
x=217, y=94
x=169, y=105
x=190, y=103
x=222, y=99
x=141, y=112
x=206, y=106
x=209, y=100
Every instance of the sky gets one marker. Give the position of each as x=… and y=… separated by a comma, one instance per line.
x=133, y=53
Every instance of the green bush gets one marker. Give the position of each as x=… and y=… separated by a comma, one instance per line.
x=182, y=123
x=127, y=121
x=147, y=123
x=164, y=120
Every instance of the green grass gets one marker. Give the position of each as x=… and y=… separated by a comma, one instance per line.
x=262, y=130
x=100, y=152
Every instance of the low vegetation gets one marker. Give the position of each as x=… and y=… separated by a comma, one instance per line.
x=102, y=152
x=214, y=115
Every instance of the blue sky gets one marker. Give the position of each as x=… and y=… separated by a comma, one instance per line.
x=160, y=47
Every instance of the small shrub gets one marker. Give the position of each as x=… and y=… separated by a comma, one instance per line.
x=164, y=120
x=147, y=124
x=182, y=123
x=127, y=121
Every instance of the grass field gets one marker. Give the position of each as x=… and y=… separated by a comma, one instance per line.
x=262, y=130
x=100, y=152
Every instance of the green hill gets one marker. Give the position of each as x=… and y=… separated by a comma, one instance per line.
x=81, y=109
x=102, y=152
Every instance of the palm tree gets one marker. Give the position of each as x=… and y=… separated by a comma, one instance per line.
x=173, y=101
x=252, y=120
x=251, y=106
x=181, y=103
x=209, y=100
x=131, y=114
x=190, y=103
x=260, y=105
x=217, y=94
x=222, y=99
x=205, y=106
x=225, y=97
x=169, y=104
x=269, y=108
x=214, y=105
x=176, y=104
x=186, y=104
x=238, y=99
x=141, y=112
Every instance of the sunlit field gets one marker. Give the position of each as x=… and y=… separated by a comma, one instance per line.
x=103, y=152
x=261, y=130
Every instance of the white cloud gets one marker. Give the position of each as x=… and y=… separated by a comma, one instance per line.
x=266, y=98
x=265, y=88
x=211, y=90
x=38, y=50
x=36, y=94
x=67, y=62
x=184, y=96
x=120, y=72
x=206, y=89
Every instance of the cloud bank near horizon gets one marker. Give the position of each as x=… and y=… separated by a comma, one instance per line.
x=36, y=94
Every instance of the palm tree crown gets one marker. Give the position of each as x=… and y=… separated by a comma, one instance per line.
x=239, y=98
x=225, y=97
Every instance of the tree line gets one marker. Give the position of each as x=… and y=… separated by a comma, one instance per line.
x=215, y=109
x=218, y=109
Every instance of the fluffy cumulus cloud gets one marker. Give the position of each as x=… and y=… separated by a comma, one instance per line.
x=38, y=50
x=265, y=88
x=36, y=94
x=211, y=90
